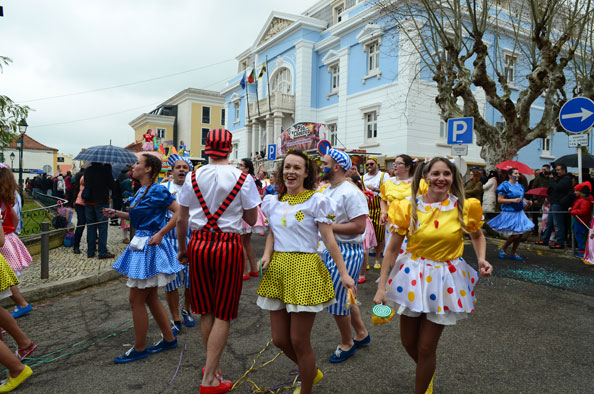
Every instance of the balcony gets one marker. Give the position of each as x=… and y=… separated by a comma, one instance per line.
x=279, y=102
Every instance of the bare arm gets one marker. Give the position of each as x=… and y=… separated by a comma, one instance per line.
x=502, y=200
x=328, y=238
x=112, y=213
x=157, y=238
x=384, y=209
x=480, y=246
x=354, y=227
x=268, y=250
x=181, y=230
x=250, y=216
x=389, y=260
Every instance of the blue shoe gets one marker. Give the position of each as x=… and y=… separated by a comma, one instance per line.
x=130, y=355
x=175, y=328
x=502, y=254
x=162, y=345
x=515, y=257
x=363, y=342
x=341, y=355
x=188, y=319
x=20, y=312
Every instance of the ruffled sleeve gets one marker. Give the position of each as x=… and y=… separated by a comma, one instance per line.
x=267, y=203
x=159, y=196
x=388, y=191
x=473, y=215
x=503, y=188
x=323, y=208
x=423, y=187
x=399, y=216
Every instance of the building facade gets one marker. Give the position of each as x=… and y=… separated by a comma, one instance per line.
x=341, y=64
x=183, y=120
x=37, y=158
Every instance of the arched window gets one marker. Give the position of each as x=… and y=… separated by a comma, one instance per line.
x=281, y=81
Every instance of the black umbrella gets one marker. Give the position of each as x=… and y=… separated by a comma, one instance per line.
x=572, y=160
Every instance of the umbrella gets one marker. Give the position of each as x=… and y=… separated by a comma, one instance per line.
x=522, y=168
x=107, y=154
x=572, y=160
x=539, y=191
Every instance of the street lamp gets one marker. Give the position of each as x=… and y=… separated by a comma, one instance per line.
x=12, y=156
x=23, y=129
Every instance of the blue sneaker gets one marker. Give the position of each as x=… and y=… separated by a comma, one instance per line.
x=502, y=254
x=341, y=355
x=175, y=328
x=20, y=312
x=130, y=355
x=188, y=319
x=363, y=342
x=515, y=257
x=162, y=345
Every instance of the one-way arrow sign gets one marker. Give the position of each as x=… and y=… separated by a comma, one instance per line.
x=576, y=115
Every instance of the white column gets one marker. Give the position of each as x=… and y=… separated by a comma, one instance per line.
x=278, y=124
x=303, y=86
x=342, y=122
x=255, y=138
x=248, y=128
x=270, y=137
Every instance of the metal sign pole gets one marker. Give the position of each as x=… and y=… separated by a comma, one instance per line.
x=579, y=156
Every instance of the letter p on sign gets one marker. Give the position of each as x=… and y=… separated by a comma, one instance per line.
x=460, y=130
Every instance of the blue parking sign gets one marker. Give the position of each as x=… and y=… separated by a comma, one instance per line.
x=460, y=130
x=272, y=152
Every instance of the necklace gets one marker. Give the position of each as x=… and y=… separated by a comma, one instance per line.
x=436, y=220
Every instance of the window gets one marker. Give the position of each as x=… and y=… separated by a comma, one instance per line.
x=373, y=57
x=546, y=146
x=281, y=82
x=206, y=115
x=161, y=133
x=222, y=116
x=509, y=67
x=333, y=134
x=337, y=11
x=235, y=150
x=203, y=155
x=334, y=77
x=236, y=108
x=204, y=135
x=443, y=131
x=371, y=125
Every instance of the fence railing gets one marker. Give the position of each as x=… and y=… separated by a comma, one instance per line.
x=32, y=218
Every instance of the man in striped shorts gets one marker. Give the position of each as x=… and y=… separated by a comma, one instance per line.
x=349, y=228
x=372, y=181
x=180, y=167
x=214, y=199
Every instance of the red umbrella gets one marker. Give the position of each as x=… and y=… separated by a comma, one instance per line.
x=522, y=168
x=539, y=191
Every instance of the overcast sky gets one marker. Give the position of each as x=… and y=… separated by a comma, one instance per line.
x=61, y=47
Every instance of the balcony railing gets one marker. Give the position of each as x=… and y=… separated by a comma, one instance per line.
x=279, y=102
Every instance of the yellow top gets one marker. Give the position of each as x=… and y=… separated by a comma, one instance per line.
x=399, y=190
x=439, y=235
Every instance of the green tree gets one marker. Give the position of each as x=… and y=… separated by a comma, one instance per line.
x=10, y=113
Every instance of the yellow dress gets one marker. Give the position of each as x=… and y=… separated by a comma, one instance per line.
x=7, y=276
x=431, y=276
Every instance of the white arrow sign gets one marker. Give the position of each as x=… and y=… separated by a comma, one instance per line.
x=584, y=114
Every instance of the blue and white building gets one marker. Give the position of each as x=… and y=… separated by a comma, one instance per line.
x=338, y=64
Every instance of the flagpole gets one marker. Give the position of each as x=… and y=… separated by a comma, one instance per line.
x=268, y=86
x=247, y=97
x=257, y=100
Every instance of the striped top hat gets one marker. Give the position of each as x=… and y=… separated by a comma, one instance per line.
x=218, y=143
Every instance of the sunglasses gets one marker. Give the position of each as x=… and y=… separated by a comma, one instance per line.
x=369, y=164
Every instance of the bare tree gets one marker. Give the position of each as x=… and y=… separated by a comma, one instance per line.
x=515, y=53
x=10, y=113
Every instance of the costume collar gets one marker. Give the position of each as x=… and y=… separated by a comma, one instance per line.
x=294, y=199
x=451, y=202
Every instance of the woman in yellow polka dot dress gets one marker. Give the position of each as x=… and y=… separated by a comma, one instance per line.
x=432, y=286
x=297, y=284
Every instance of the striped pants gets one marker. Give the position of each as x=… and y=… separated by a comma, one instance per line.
x=375, y=214
x=183, y=276
x=352, y=255
x=216, y=268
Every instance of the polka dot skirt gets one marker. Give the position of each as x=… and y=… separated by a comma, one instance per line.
x=7, y=275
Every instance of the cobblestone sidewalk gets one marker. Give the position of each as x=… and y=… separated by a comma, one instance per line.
x=64, y=264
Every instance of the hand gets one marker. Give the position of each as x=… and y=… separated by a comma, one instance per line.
x=380, y=297
x=264, y=261
x=519, y=199
x=348, y=283
x=485, y=269
x=383, y=219
x=155, y=239
x=109, y=213
x=182, y=256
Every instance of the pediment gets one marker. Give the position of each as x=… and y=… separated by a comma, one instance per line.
x=234, y=97
x=369, y=32
x=275, y=26
x=331, y=57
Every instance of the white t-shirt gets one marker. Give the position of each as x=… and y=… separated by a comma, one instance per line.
x=350, y=204
x=215, y=183
x=374, y=180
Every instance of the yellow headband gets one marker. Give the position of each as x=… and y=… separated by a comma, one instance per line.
x=372, y=158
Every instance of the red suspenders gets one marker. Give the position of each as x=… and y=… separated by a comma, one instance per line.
x=211, y=224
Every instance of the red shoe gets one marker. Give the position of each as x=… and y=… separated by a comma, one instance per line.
x=255, y=274
x=362, y=279
x=218, y=375
x=223, y=387
x=246, y=277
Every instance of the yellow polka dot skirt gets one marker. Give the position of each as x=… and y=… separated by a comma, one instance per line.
x=7, y=275
x=297, y=278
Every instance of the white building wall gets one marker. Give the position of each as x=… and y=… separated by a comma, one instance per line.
x=32, y=159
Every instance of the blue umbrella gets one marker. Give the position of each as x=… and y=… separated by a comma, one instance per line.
x=107, y=154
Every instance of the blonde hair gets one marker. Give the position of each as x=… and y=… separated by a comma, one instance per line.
x=456, y=189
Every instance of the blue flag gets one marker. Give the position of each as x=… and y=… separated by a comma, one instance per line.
x=242, y=82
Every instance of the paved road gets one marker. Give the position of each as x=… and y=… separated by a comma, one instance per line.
x=525, y=337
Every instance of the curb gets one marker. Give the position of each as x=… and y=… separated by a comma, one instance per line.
x=53, y=289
